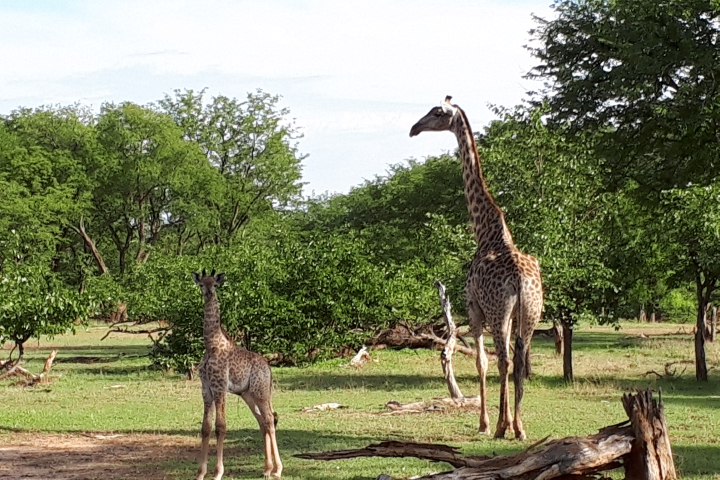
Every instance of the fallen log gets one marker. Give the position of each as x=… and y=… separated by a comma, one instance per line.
x=640, y=445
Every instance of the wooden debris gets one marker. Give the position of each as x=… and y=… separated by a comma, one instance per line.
x=323, y=406
x=30, y=379
x=668, y=372
x=361, y=358
x=651, y=454
x=451, y=341
x=435, y=405
x=425, y=451
x=641, y=445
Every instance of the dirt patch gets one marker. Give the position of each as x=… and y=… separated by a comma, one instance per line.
x=92, y=456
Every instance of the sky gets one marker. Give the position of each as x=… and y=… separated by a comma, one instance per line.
x=355, y=75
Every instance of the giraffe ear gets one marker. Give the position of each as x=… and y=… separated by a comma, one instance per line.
x=196, y=278
x=220, y=279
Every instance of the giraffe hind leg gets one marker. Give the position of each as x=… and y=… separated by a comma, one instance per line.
x=267, y=420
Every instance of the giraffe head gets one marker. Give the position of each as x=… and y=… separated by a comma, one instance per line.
x=438, y=118
x=208, y=283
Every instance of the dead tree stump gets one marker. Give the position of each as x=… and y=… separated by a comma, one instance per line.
x=651, y=455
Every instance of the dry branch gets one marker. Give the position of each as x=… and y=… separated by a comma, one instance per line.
x=434, y=405
x=451, y=342
x=642, y=448
x=425, y=451
x=361, y=358
x=31, y=378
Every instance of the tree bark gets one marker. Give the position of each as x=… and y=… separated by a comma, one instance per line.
x=567, y=334
x=701, y=372
x=704, y=289
x=713, y=324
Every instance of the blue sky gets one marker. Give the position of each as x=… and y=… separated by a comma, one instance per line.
x=355, y=75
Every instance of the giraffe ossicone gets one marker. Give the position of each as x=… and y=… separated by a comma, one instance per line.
x=504, y=287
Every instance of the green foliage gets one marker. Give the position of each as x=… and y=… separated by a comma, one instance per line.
x=33, y=301
x=252, y=148
x=150, y=177
x=642, y=74
x=680, y=305
x=302, y=298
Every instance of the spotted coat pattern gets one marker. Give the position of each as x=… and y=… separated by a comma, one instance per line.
x=504, y=289
x=227, y=367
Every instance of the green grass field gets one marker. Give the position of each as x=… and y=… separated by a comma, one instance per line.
x=160, y=413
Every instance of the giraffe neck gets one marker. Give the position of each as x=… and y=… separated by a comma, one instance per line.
x=491, y=231
x=212, y=331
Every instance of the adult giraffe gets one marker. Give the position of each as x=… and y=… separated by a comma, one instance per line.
x=504, y=289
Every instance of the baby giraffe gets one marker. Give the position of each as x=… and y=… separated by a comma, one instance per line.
x=229, y=368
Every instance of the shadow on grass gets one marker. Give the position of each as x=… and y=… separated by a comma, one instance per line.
x=389, y=382
x=178, y=458
x=696, y=459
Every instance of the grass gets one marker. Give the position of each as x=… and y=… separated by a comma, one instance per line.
x=607, y=363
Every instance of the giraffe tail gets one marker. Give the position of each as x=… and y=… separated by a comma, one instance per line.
x=521, y=356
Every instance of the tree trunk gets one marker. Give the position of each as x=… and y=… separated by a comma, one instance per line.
x=567, y=333
x=80, y=230
x=713, y=324
x=642, y=317
x=558, y=337
x=701, y=372
x=704, y=286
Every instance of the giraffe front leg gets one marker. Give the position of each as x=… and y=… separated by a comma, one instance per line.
x=205, y=432
x=220, y=429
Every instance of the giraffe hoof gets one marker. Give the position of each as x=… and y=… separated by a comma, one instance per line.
x=484, y=431
x=520, y=436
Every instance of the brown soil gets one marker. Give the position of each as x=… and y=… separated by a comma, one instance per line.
x=92, y=456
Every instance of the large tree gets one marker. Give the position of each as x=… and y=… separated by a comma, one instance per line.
x=252, y=146
x=150, y=179
x=643, y=73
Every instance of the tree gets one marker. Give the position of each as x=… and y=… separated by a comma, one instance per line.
x=150, y=181
x=689, y=227
x=33, y=301
x=250, y=146
x=44, y=168
x=642, y=74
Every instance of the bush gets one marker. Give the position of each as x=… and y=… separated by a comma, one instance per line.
x=304, y=298
x=680, y=305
